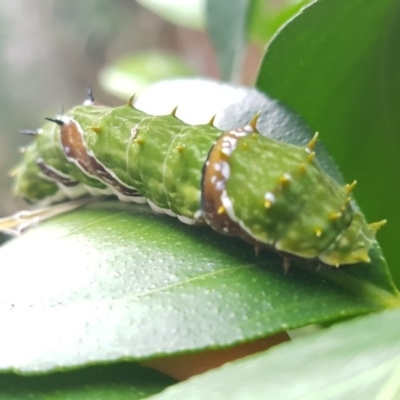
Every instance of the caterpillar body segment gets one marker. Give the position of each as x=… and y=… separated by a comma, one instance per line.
x=239, y=182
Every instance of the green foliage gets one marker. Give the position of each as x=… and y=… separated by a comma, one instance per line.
x=266, y=17
x=121, y=381
x=227, y=27
x=131, y=74
x=117, y=264
x=355, y=360
x=114, y=281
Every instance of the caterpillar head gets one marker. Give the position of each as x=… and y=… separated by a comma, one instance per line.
x=353, y=244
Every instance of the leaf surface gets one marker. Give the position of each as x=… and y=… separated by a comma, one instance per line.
x=357, y=360
x=115, y=281
x=104, y=382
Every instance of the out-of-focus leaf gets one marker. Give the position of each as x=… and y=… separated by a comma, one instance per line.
x=358, y=360
x=130, y=75
x=187, y=13
x=338, y=65
x=121, y=381
x=227, y=22
x=3, y=238
x=268, y=16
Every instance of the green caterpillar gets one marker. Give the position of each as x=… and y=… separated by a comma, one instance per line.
x=241, y=183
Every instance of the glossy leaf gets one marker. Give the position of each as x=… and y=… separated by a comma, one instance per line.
x=356, y=360
x=115, y=281
x=337, y=65
x=121, y=381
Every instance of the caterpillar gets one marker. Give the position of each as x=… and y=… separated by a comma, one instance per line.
x=239, y=182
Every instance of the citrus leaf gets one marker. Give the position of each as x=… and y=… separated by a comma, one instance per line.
x=357, y=360
x=116, y=381
x=337, y=65
x=114, y=281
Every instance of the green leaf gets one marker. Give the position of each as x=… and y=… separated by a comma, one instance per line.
x=129, y=75
x=115, y=281
x=337, y=65
x=268, y=16
x=355, y=360
x=188, y=13
x=227, y=28
x=109, y=382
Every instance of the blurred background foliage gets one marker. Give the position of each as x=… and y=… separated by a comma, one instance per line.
x=50, y=50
